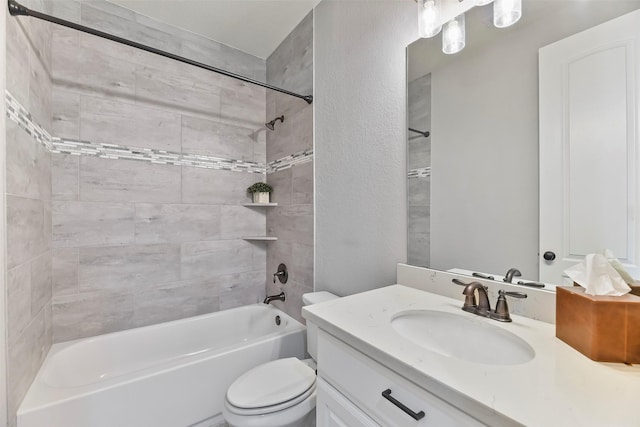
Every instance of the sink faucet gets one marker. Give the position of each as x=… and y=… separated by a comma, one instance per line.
x=482, y=308
x=510, y=273
x=279, y=297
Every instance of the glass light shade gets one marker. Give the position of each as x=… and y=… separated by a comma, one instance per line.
x=428, y=18
x=453, y=36
x=506, y=12
x=482, y=2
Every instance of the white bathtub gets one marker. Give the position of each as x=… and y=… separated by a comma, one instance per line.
x=172, y=374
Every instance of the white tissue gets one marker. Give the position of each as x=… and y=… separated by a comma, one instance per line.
x=598, y=277
x=619, y=267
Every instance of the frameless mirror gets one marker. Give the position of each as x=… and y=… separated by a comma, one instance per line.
x=474, y=184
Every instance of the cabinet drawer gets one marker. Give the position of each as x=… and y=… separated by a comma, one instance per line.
x=363, y=381
x=335, y=410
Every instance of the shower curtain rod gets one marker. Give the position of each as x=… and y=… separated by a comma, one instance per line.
x=424, y=133
x=16, y=9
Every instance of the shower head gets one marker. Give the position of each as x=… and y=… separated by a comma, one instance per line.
x=271, y=124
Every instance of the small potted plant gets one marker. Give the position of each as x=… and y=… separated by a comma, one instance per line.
x=260, y=192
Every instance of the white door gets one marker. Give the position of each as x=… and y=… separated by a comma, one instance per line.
x=335, y=410
x=589, y=189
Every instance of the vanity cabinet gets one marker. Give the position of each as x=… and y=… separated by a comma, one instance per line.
x=355, y=390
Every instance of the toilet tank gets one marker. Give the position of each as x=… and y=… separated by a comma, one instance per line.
x=312, y=330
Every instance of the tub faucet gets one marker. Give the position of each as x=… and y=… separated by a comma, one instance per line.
x=279, y=297
x=510, y=273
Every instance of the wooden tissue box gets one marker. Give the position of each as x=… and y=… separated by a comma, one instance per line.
x=603, y=328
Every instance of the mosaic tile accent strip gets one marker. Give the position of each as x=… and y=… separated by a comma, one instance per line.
x=419, y=173
x=298, y=158
x=113, y=151
x=20, y=115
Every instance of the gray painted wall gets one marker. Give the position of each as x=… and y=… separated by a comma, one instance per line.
x=484, y=188
x=360, y=142
x=291, y=67
x=28, y=208
x=137, y=243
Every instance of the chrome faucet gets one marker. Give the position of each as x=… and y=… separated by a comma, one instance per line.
x=482, y=308
x=510, y=273
x=279, y=297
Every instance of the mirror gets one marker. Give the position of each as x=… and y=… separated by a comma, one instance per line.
x=473, y=184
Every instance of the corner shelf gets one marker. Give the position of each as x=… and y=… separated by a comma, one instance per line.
x=263, y=238
x=260, y=204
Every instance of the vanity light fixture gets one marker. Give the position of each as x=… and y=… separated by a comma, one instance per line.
x=428, y=18
x=453, y=36
x=505, y=13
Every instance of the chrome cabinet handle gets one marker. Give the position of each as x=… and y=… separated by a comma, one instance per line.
x=415, y=415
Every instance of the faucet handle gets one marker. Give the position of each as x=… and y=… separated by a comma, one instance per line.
x=501, y=312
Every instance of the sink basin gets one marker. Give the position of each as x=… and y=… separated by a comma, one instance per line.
x=462, y=337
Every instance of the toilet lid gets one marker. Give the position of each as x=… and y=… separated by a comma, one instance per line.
x=271, y=384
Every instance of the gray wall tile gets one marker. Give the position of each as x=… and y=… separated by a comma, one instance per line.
x=89, y=314
x=107, y=180
x=213, y=138
x=175, y=301
x=64, y=270
x=25, y=230
x=208, y=260
x=65, y=171
x=39, y=91
x=18, y=300
x=176, y=223
x=213, y=186
x=66, y=113
x=282, y=184
x=127, y=267
x=302, y=179
x=40, y=282
x=176, y=92
x=242, y=289
x=116, y=122
x=28, y=165
x=239, y=221
x=78, y=224
x=17, y=60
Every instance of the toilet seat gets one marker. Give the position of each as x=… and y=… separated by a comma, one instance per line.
x=271, y=387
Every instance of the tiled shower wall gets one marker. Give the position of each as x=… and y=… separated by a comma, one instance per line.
x=291, y=67
x=419, y=177
x=136, y=242
x=28, y=199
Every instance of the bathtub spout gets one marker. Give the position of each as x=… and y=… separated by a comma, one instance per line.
x=279, y=297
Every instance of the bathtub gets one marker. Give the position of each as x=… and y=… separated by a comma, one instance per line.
x=173, y=374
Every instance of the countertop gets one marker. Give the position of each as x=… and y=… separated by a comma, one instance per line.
x=559, y=387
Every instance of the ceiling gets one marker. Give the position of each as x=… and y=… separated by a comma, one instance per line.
x=256, y=27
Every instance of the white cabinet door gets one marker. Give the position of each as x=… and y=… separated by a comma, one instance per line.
x=335, y=410
x=589, y=151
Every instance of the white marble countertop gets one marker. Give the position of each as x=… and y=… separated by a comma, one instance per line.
x=559, y=387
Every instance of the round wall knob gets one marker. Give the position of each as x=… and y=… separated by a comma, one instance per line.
x=549, y=256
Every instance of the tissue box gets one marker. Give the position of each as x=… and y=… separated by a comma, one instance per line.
x=603, y=328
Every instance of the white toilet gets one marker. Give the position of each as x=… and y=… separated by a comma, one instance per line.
x=280, y=393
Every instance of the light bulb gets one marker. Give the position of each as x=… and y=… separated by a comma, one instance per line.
x=428, y=18
x=506, y=12
x=453, y=36
x=482, y=2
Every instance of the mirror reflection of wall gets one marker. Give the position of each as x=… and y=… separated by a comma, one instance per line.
x=419, y=174
x=484, y=207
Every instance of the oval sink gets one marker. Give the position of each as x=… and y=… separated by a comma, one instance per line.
x=461, y=337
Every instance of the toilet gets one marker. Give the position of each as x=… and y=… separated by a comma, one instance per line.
x=280, y=393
